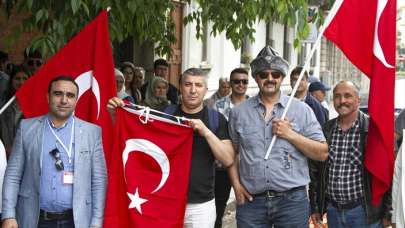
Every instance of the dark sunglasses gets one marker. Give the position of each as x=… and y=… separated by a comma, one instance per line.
x=237, y=81
x=274, y=74
x=58, y=161
x=36, y=62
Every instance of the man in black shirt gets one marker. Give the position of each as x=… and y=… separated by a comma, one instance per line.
x=208, y=144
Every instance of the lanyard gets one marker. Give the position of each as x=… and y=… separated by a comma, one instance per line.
x=68, y=151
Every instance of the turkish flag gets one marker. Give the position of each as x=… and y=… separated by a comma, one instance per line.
x=88, y=59
x=365, y=30
x=148, y=177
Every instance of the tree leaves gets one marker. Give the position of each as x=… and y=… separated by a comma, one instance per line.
x=59, y=21
x=238, y=18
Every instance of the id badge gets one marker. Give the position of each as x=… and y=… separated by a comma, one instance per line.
x=67, y=177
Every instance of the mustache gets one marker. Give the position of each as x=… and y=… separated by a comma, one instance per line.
x=343, y=105
x=270, y=82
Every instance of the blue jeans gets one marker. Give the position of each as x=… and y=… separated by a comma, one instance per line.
x=355, y=217
x=68, y=223
x=289, y=211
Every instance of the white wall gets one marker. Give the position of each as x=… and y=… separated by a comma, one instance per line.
x=222, y=56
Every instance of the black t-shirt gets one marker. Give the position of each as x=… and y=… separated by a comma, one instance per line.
x=202, y=170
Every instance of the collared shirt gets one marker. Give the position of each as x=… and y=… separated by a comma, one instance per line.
x=210, y=102
x=345, y=165
x=54, y=195
x=286, y=167
x=224, y=105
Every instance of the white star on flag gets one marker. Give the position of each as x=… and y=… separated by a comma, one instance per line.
x=136, y=201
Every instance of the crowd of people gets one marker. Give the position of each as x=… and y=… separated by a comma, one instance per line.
x=315, y=168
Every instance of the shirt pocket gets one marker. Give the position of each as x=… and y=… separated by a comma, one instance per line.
x=249, y=137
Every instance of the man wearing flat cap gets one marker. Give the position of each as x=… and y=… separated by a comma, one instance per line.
x=273, y=192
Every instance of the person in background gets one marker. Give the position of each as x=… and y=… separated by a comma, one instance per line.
x=302, y=94
x=161, y=69
x=128, y=69
x=239, y=81
x=4, y=77
x=137, y=83
x=11, y=117
x=318, y=90
x=399, y=125
x=398, y=187
x=157, y=99
x=32, y=61
x=120, y=81
x=224, y=88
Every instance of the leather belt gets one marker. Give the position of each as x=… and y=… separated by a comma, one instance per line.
x=68, y=214
x=271, y=193
x=346, y=206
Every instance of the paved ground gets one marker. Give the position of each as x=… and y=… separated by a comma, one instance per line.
x=229, y=215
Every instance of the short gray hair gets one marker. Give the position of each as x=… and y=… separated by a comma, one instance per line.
x=194, y=72
x=355, y=87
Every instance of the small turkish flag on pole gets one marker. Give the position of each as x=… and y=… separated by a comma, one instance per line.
x=149, y=174
x=365, y=30
x=88, y=59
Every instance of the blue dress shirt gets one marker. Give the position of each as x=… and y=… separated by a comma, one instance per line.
x=55, y=196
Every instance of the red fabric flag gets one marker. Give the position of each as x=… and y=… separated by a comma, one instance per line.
x=148, y=176
x=365, y=30
x=88, y=59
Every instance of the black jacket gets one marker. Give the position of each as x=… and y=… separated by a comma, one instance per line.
x=321, y=113
x=319, y=178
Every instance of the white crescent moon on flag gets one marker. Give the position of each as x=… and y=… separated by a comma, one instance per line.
x=151, y=149
x=86, y=81
x=378, y=52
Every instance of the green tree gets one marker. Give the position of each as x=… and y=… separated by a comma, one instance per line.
x=58, y=21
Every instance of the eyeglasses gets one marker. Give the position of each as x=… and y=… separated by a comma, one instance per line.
x=58, y=161
x=34, y=62
x=274, y=74
x=237, y=81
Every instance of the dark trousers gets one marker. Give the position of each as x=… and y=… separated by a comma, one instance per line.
x=222, y=190
x=68, y=223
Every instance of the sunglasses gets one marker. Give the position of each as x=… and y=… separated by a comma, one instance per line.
x=58, y=161
x=238, y=81
x=33, y=62
x=274, y=74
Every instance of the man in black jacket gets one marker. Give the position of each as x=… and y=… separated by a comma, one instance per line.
x=302, y=94
x=343, y=185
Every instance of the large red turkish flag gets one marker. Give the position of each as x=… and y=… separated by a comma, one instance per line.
x=149, y=173
x=88, y=59
x=365, y=30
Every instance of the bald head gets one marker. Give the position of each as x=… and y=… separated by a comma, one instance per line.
x=349, y=85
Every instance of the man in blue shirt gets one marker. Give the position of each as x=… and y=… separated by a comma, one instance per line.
x=273, y=192
x=56, y=175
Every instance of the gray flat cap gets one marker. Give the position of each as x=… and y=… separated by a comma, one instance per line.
x=269, y=59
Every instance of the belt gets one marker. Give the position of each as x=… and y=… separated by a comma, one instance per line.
x=346, y=206
x=68, y=214
x=271, y=193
